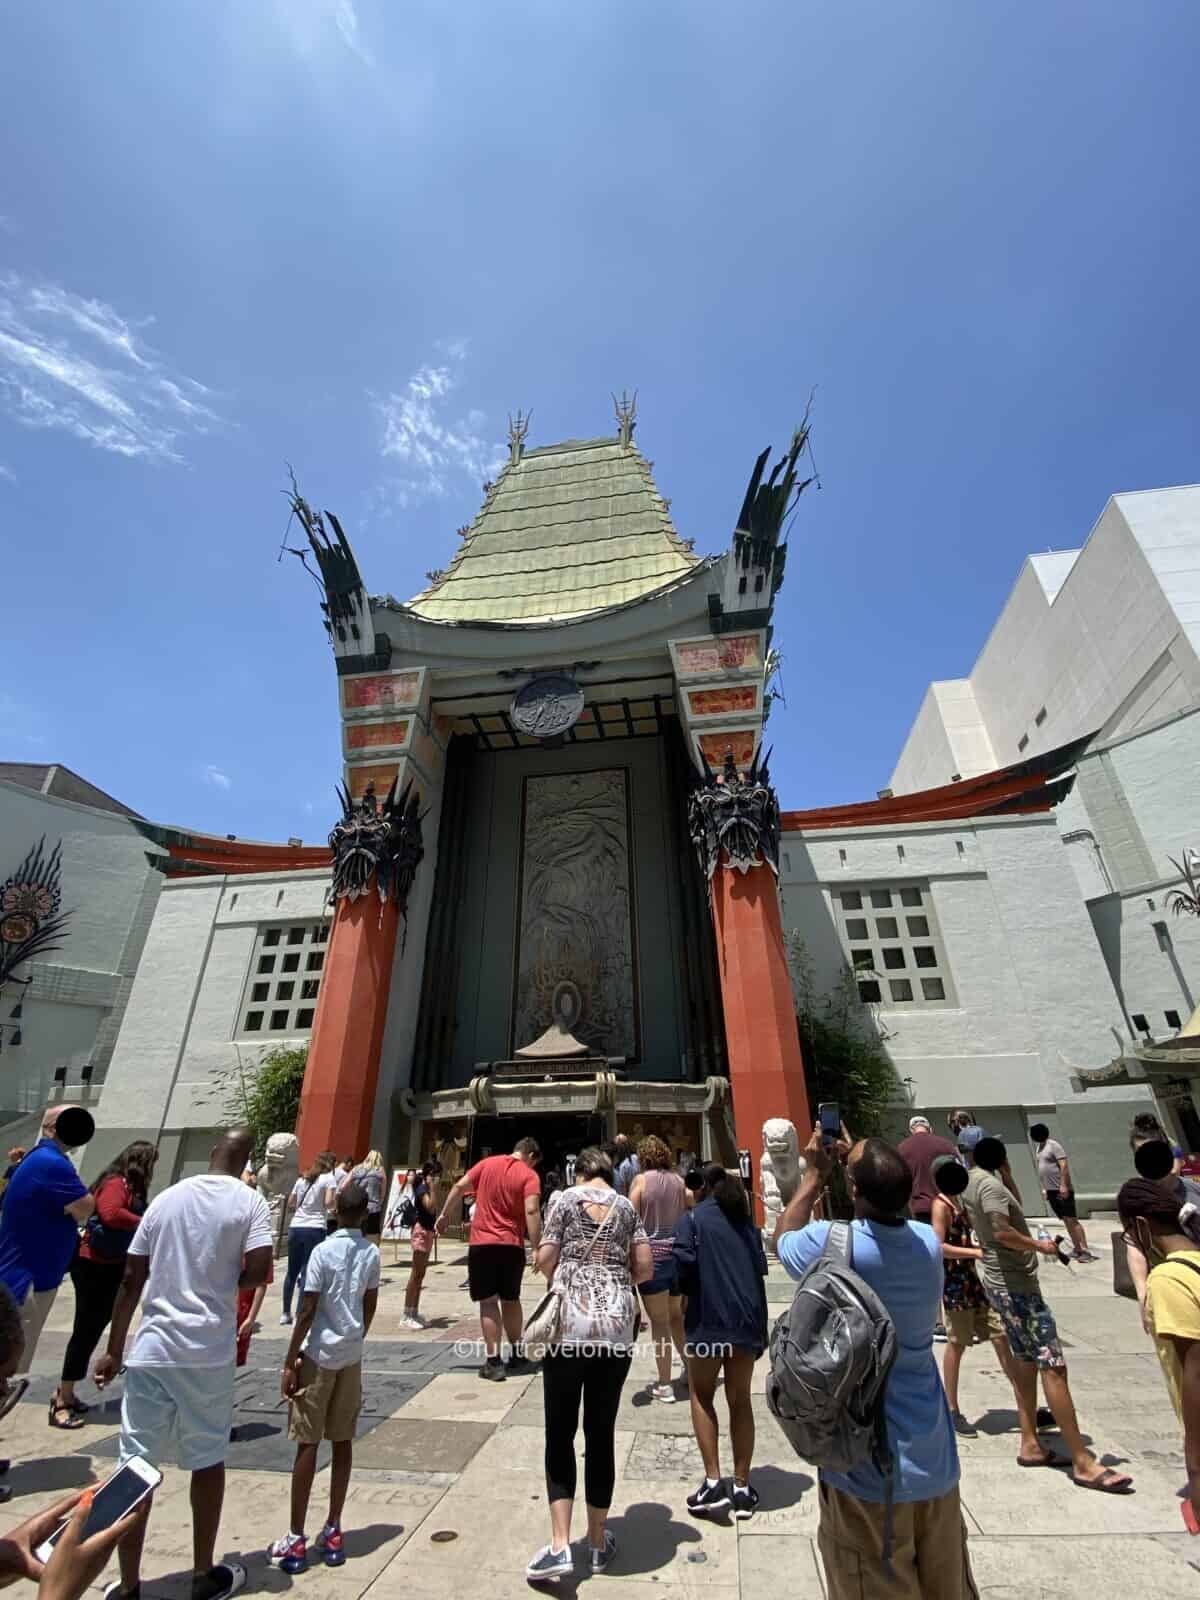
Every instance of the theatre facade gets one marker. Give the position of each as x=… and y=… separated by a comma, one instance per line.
x=561, y=895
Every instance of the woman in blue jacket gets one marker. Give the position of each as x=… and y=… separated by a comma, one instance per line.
x=721, y=1265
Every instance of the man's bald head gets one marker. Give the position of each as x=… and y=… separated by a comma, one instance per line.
x=232, y=1151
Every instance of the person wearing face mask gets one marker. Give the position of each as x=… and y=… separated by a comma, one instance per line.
x=44, y=1205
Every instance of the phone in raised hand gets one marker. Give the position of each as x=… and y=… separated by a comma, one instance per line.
x=830, y=1119
x=114, y=1499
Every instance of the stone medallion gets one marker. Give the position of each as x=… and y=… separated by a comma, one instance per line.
x=547, y=706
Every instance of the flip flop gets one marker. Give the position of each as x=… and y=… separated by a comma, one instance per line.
x=1051, y=1461
x=1109, y=1482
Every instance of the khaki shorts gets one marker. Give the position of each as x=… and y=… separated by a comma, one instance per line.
x=929, y=1556
x=973, y=1325
x=327, y=1403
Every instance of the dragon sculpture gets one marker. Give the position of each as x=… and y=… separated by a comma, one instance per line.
x=383, y=841
x=736, y=814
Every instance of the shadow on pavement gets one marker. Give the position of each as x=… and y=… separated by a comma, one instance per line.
x=648, y=1537
x=778, y=1489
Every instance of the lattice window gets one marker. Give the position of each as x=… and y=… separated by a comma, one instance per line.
x=280, y=997
x=891, y=938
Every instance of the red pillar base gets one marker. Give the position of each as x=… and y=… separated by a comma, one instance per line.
x=766, y=1068
x=337, y=1103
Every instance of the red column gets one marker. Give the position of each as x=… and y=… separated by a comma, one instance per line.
x=766, y=1069
x=337, y=1102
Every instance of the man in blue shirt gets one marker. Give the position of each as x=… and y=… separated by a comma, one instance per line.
x=902, y=1262
x=44, y=1205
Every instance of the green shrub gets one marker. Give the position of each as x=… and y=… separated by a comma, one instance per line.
x=266, y=1096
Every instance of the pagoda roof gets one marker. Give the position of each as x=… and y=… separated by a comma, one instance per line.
x=567, y=530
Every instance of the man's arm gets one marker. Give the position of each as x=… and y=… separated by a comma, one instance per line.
x=137, y=1270
x=1064, y=1177
x=290, y=1377
x=533, y=1220
x=256, y=1267
x=1007, y=1236
x=370, y=1303
x=1010, y=1183
x=798, y=1212
x=452, y=1208
x=82, y=1208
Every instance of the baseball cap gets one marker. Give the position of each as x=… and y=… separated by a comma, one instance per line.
x=914, y=1123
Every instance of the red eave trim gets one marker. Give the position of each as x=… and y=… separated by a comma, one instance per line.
x=235, y=858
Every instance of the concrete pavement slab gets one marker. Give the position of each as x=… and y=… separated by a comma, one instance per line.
x=1068, y=1568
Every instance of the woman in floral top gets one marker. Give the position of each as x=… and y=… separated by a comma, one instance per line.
x=593, y=1250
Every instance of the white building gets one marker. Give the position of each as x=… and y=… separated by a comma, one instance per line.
x=1104, y=640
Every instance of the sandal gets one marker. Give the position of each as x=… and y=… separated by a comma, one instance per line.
x=71, y=1422
x=1109, y=1482
x=1049, y=1460
x=76, y=1407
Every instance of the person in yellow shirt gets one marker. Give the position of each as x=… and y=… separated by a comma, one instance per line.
x=1150, y=1214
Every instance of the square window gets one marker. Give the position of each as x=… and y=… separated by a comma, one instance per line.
x=933, y=988
x=1023, y=743
x=315, y=962
x=1173, y=1019
x=924, y=955
x=279, y=1021
x=260, y=991
x=266, y=963
x=304, y=1018
x=887, y=928
x=291, y=961
x=322, y=933
x=864, y=960
x=1040, y=718
x=295, y=935
x=308, y=989
x=881, y=899
x=918, y=927
x=869, y=992
x=284, y=991
x=856, y=928
x=253, y=1021
x=901, y=988
x=893, y=958
x=910, y=897
x=851, y=900
x=272, y=936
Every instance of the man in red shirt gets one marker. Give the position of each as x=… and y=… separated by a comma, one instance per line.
x=507, y=1193
x=920, y=1150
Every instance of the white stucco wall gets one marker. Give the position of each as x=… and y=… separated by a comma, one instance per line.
x=109, y=888
x=948, y=737
x=176, y=1050
x=1104, y=639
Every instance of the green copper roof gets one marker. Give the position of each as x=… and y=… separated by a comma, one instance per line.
x=567, y=529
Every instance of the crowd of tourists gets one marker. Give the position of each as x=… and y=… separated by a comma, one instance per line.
x=938, y=1239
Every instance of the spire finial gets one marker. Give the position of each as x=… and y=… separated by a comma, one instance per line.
x=626, y=410
x=518, y=427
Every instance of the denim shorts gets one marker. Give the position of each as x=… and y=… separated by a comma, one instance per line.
x=1030, y=1327
x=193, y=1404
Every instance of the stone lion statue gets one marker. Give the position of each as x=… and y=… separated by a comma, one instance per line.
x=276, y=1180
x=781, y=1169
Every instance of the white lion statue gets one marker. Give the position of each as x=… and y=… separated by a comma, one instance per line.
x=781, y=1170
x=276, y=1180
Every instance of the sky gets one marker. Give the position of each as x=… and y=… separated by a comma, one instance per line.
x=353, y=235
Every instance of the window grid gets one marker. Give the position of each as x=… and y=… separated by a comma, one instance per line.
x=279, y=999
x=890, y=937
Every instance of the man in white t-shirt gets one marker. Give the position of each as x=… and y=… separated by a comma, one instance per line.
x=199, y=1242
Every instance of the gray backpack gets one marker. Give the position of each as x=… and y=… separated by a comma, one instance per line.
x=831, y=1352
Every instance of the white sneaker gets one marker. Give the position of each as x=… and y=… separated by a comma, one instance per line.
x=412, y=1319
x=548, y=1565
x=663, y=1392
x=285, y=1320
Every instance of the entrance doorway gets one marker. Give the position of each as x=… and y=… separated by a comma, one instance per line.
x=560, y=1134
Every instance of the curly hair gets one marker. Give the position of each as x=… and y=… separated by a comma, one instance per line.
x=653, y=1154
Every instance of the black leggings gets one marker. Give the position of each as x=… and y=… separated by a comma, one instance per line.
x=96, y=1284
x=598, y=1378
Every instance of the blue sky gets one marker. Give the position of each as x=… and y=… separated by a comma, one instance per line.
x=354, y=234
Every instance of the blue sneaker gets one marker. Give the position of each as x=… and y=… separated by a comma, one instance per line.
x=329, y=1544
x=548, y=1565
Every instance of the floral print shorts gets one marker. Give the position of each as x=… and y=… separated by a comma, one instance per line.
x=1031, y=1329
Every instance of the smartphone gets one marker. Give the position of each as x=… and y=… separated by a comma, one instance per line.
x=831, y=1121
x=115, y=1498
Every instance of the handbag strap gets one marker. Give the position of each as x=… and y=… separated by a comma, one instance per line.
x=612, y=1208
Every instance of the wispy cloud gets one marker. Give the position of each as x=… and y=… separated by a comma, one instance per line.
x=218, y=779
x=7, y=472
x=77, y=365
x=420, y=429
x=346, y=21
